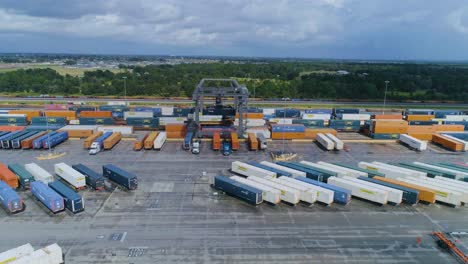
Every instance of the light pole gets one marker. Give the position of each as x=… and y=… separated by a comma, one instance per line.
x=125, y=89
x=385, y=96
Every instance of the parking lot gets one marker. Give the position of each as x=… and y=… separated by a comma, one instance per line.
x=176, y=217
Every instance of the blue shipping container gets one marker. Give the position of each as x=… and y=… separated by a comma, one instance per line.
x=47, y=196
x=38, y=142
x=326, y=172
x=345, y=111
x=287, y=113
x=73, y=201
x=239, y=190
x=384, y=136
x=465, y=123
x=309, y=123
x=44, y=127
x=410, y=196
x=188, y=141
x=288, y=128
x=340, y=195
x=310, y=173
x=419, y=112
x=6, y=142
x=101, y=139
x=423, y=123
x=443, y=113
x=93, y=178
x=120, y=176
x=277, y=171
x=318, y=111
x=16, y=143
x=55, y=140
x=10, y=200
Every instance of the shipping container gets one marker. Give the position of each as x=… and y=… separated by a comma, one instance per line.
x=289, y=195
x=293, y=172
x=311, y=133
x=463, y=142
x=25, y=178
x=159, y=141
x=318, y=111
x=460, y=183
x=413, y=143
x=89, y=140
x=287, y=128
x=419, y=112
x=443, y=195
x=16, y=253
x=313, y=166
x=262, y=141
x=28, y=142
x=422, y=123
x=387, y=116
x=389, y=172
x=262, y=129
x=248, y=170
x=425, y=194
x=347, y=171
x=419, y=117
x=39, y=173
x=321, y=117
x=345, y=111
x=453, y=186
x=69, y=115
x=165, y=121
x=140, y=142
x=250, y=115
x=412, y=173
x=323, y=195
x=288, y=113
x=51, y=199
x=138, y=114
x=312, y=123
x=49, y=255
x=280, y=121
x=288, y=135
x=120, y=176
x=8, y=177
x=112, y=140
x=38, y=143
x=444, y=142
x=458, y=174
x=361, y=190
x=96, y=121
x=345, y=125
x=93, y=179
x=49, y=121
x=269, y=194
x=96, y=114
x=310, y=172
x=239, y=190
x=453, y=166
x=325, y=142
x=430, y=172
x=306, y=194
x=216, y=144
x=124, y=130
x=339, y=145
x=234, y=141
x=16, y=142
x=54, y=140
x=252, y=141
x=10, y=200
x=149, y=141
x=370, y=173
x=9, y=128
x=72, y=201
x=277, y=171
x=6, y=142
x=29, y=113
x=340, y=195
x=70, y=176
x=394, y=196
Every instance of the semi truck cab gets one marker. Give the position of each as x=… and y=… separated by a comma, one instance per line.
x=196, y=147
x=95, y=148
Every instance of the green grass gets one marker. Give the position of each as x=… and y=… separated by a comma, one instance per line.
x=62, y=70
x=317, y=72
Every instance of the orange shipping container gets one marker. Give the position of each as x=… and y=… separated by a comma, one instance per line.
x=216, y=141
x=11, y=128
x=425, y=194
x=234, y=141
x=420, y=117
x=447, y=142
x=175, y=127
x=149, y=141
x=70, y=115
x=311, y=133
x=253, y=142
x=29, y=113
x=390, y=130
x=387, y=116
x=8, y=176
x=95, y=114
x=89, y=140
x=449, y=128
x=287, y=135
x=111, y=141
x=376, y=123
x=140, y=142
x=28, y=143
x=251, y=115
x=421, y=136
x=176, y=134
x=82, y=133
x=421, y=129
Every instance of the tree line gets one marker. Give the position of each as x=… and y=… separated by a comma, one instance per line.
x=306, y=80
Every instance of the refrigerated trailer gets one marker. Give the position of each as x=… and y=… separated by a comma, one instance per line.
x=248, y=170
x=70, y=176
x=269, y=194
x=360, y=190
x=325, y=142
x=394, y=196
x=323, y=195
x=289, y=195
x=242, y=191
x=293, y=172
x=413, y=143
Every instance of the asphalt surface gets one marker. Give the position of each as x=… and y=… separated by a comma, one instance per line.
x=251, y=102
x=176, y=217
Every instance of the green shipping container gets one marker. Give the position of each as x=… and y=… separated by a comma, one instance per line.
x=25, y=178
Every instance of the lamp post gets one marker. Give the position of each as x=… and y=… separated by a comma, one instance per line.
x=385, y=96
x=125, y=89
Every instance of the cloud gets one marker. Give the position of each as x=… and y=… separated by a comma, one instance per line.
x=458, y=20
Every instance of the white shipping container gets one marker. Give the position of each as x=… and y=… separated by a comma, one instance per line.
x=49, y=255
x=159, y=141
x=413, y=142
x=12, y=115
x=171, y=120
x=457, y=182
x=442, y=194
x=389, y=172
x=288, y=194
x=325, y=141
x=395, y=196
x=360, y=190
x=339, y=145
x=459, y=174
x=79, y=127
x=323, y=195
x=73, y=177
x=268, y=111
x=15, y=253
x=269, y=194
x=210, y=118
x=281, y=121
x=250, y=170
x=39, y=173
x=74, y=122
x=116, y=103
x=316, y=116
x=124, y=130
x=252, y=122
x=465, y=143
x=264, y=130
x=351, y=172
x=339, y=172
x=456, y=118
x=413, y=173
x=361, y=117
x=294, y=173
x=138, y=114
x=305, y=194
x=167, y=110
x=449, y=185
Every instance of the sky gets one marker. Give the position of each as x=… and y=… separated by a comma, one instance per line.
x=340, y=29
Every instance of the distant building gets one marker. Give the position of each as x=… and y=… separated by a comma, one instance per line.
x=342, y=72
